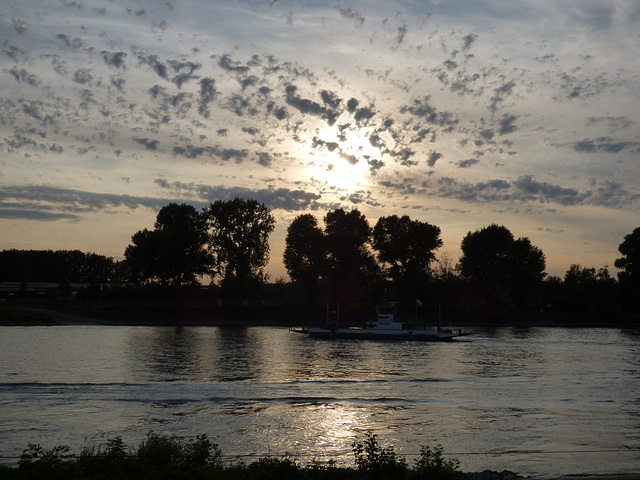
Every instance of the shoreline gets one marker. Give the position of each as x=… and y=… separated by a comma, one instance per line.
x=193, y=317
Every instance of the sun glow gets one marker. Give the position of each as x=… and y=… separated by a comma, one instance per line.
x=343, y=161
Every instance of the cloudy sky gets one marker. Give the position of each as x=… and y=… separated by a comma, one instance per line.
x=524, y=113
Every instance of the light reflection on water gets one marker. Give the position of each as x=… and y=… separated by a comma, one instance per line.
x=535, y=401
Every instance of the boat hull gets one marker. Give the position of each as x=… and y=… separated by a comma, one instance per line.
x=381, y=334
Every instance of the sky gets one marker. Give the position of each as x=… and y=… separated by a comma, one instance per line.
x=523, y=113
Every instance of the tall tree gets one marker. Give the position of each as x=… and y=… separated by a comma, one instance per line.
x=629, y=265
x=239, y=241
x=351, y=265
x=174, y=252
x=501, y=265
x=406, y=247
x=305, y=253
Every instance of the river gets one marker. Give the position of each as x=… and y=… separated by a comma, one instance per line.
x=538, y=401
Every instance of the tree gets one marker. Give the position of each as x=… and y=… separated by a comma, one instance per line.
x=629, y=265
x=174, y=252
x=501, y=265
x=239, y=241
x=350, y=263
x=588, y=290
x=305, y=253
x=407, y=248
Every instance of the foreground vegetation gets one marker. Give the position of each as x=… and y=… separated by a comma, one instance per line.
x=160, y=457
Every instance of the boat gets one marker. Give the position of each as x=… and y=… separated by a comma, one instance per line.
x=385, y=327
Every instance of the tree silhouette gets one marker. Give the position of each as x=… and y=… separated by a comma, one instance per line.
x=174, y=252
x=239, y=241
x=503, y=268
x=305, y=253
x=351, y=265
x=406, y=247
x=629, y=265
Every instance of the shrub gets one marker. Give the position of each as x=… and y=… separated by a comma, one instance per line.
x=433, y=465
x=379, y=461
x=57, y=463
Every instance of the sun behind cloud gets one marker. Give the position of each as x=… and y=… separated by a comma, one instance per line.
x=343, y=159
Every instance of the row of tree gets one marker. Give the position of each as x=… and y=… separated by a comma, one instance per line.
x=347, y=261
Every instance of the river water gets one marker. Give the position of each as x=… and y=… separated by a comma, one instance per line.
x=539, y=401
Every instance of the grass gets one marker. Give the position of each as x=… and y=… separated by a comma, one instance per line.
x=161, y=457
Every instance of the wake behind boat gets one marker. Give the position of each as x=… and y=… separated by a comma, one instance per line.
x=385, y=327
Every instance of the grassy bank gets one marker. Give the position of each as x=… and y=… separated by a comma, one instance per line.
x=160, y=457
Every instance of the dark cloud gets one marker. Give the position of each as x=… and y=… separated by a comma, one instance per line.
x=332, y=99
x=614, y=195
x=226, y=63
x=265, y=159
x=239, y=104
x=281, y=113
x=433, y=158
x=277, y=198
x=190, y=151
x=118, y=82
x=137, y=13
x=450, y=64
x=14, y=53
x=374, y=165
x=500, y=94
x=507, y=124
x=147, y=143
x=184, y=71
x=22, y=76
x=36, y=215
x=422, y=108
x=251, y=131
x=363, y=114
x=352, y=104
x=530, y=189
x=348, y=13
x=468, y=40
x=114, y=59
x=614, y=123
x=401, y=32
x=51, y=203
x=306, y=106
x=467, y=163
x=69, y=43
x=575, y=87
x=604, y=145
x=487, y=134
x=251, y=81
x=352, y=159
x=20, y=26
x=207, y=95
x=154, y=63
x=82, y=76
x=525, y=189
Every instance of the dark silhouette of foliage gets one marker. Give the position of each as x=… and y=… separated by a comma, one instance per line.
x=239, y=241
x=505, y=269
x=55, y=266
x=305, y=253
x=406, y=248
x=629, y=265
x=174, y=252
x=351, y=265
x=178, y=458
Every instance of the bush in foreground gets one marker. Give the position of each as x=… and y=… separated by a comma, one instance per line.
x=160, y=457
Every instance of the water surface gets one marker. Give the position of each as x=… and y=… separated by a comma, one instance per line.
x=535, y=401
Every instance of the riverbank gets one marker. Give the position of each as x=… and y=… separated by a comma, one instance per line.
x=162, y=315
x=195, y=458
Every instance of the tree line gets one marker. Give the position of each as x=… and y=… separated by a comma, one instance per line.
x=345, y=262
